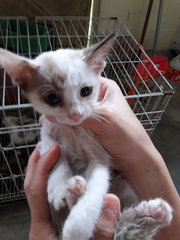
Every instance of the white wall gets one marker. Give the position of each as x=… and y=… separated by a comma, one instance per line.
x=133, y=12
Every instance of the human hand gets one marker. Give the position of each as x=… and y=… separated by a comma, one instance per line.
x=35, y=188
x=118, y=129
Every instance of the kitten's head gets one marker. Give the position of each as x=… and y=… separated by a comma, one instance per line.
x=63, y=84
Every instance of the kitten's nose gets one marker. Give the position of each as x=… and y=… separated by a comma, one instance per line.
x=75, y=116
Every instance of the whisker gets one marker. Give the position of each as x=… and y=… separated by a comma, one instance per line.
x=99, y=118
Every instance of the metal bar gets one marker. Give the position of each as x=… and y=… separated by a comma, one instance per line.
x=161, y=3
x=8, y=107
x=28, y=39
x=48, y=36
x=58, y=36
x=146, y=21
x=67, y=34
x=38, y=35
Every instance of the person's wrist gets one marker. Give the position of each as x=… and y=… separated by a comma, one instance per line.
x=42, y=231
x=144, y=153
x=35, y=229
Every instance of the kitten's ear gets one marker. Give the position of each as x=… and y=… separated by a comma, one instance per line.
x=96, y=54
x=19, y=68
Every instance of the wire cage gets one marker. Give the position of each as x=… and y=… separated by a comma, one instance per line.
x=142, y=84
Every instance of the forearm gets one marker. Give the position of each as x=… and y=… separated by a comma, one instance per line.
x=151, y=179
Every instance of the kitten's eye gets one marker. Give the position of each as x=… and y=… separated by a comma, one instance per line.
x=86, y=91
x=53, y=99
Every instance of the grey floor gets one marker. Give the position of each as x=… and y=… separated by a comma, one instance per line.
x=14, y=221
x=15, y=218
x=167, y=137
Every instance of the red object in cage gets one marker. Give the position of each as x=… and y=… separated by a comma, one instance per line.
x=146, y=70
x=173, y=74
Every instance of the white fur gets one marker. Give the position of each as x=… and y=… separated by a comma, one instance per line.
x=27, y=137
x=157, y=208
x=76, y=188
x=52, y=65
x=97, y=174
x=143, y=221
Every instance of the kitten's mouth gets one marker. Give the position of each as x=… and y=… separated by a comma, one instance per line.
x=70, y=122
x=51, y=119
x=76, y=117
x=76, y=121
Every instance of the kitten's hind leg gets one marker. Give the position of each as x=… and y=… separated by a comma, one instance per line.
x=76, y=188
x=143, y=221
x=158, y=209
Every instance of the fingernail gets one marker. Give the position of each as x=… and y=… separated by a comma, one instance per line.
x=110, y=210
x=55, y=148
x=38, y=146
x=111, y=204
x=108, y=207
x=58, y=146
x=108, y=218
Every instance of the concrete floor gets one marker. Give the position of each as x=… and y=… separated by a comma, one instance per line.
x=166, y=137
x=15, y=218
x=14, y=221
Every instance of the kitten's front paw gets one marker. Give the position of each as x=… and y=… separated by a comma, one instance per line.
x=158, y=209
x=56, y=195
x=76, y=188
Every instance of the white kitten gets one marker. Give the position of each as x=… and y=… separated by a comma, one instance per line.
x=65, y=84
x=17, y=135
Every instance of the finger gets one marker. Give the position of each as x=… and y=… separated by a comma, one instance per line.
x=39, y=167
x=103, y=88
x=94, y=124
x=41, y=119
x=47, y=161
x=51, y=119
x=31, y=166
x=43, y=168
x=36, y=187
x=111, y=88
x=107, y=221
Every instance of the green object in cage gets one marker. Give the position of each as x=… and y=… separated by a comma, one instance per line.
x=24, y=37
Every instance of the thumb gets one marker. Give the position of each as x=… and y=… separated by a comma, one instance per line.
x=107, y=222
x=48, y=160
x=98, y=121
x=92, y=123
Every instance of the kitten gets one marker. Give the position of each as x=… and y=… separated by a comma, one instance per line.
x=65, y=84
x=13, y=166
x=18, y=136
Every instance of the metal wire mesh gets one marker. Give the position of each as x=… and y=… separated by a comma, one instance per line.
x=128, y=65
